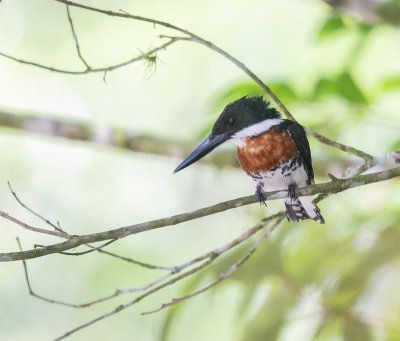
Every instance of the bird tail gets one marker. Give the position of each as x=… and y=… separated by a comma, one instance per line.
x=301, y=208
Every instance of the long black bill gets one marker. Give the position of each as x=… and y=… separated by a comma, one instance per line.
x=209, y=144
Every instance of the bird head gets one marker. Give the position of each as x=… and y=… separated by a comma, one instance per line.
x=243, y=118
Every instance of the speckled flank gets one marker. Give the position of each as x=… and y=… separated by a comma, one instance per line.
x=265, y=152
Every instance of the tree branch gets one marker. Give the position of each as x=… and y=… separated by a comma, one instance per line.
x=109, y=136
x=224, y=275
x=210, y=258
x=328, y=188
x=367, y=157
x=31, y=228
x=192, y=37
x=195, y=38
x=128, y=140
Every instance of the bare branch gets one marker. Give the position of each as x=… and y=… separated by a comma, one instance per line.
x=126, y=139
x=339, y=185
x=109, y=136
x=92, y=249
x=195, y=38
x=191, y=37
x=133, y=261
x=31, y=228
x=208, y=257
x=367, y=157
x=224, y=275
x=195, y=265
x=211, y=257
x=48, y=222
x=78, y=50
x=32, y=293
x=93, y=70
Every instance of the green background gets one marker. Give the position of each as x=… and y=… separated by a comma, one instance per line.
x=337, y=75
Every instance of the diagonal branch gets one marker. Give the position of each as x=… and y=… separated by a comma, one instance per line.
x=206, y=259
x=328, y=188
x=48, y=222
x=210, y=258
x=224, y=275
x=32, y=228
x=190, y=37
x=367, y=157
x=195, y=38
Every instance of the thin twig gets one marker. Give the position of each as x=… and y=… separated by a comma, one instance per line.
x=224, y=275
x=212, y=257
x=93, y=70
x=48, y=222
x=136, y=300
x=93, y=248
x=208, y=257
x=191, y=37
x=32, y=293
x=195, y=38
x=31, y=228
x=367, y=157
x=133, y=261
x=78, y=50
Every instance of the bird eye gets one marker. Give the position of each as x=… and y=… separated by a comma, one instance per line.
x=230, y=121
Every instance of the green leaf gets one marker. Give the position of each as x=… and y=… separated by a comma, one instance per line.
x=270, y=319
x=389, y=84
x=390, y=12
x=330, y=27
x=395, y=145
x=343, y=86
x=349, y=89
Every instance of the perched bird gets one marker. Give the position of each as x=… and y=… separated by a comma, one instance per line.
x=274, y=152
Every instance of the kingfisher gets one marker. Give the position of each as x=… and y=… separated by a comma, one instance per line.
x=274, y=152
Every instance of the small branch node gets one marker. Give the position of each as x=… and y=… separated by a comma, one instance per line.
x=332, y=177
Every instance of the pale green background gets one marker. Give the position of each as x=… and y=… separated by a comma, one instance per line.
x=90, y=189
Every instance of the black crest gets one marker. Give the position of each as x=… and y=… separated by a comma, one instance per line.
x=242, y=113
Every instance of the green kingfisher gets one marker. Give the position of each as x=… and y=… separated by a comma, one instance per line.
x=274, y=152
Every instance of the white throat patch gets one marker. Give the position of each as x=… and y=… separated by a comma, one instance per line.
x=254, y=130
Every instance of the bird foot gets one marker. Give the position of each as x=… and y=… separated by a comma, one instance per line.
x=260, y=196
x=292, y=191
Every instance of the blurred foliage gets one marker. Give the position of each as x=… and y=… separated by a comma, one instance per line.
x=306, y=282
x=390, y=12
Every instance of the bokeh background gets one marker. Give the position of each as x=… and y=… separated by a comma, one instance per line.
x=338, y=73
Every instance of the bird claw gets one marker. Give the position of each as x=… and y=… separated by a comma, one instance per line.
x=261, y=197
x=292, y=191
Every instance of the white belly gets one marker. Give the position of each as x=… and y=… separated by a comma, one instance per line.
x=280, y=178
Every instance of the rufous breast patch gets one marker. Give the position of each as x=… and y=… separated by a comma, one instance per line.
x=266, y=151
